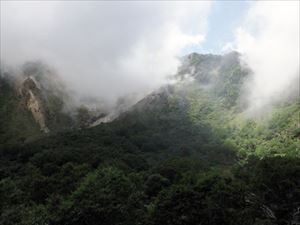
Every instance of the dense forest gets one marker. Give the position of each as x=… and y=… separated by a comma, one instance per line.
x=187, y=154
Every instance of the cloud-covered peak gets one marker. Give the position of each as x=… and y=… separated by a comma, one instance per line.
x=104, y=49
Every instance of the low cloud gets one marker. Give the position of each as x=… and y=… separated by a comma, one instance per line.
x=100, y=48
x=269, y=42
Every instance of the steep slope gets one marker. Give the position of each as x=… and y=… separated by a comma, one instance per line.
x=28, y=111
x=35, y=97
x=16, y=121
x=30, y=92
x=222, y=76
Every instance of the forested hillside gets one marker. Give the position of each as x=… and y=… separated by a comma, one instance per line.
x=15, y=120
x=34, y=102
x=187, y=154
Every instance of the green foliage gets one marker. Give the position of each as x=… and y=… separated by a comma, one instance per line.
x=182, y=156
x=274, y=134
x=16, y=123
x=155, y=183
x=275, y=184
x=105, y=196
x=179, y=206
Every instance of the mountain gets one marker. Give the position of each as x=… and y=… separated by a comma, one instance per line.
x=34, y=102
x=186, y=154
x=38, y=91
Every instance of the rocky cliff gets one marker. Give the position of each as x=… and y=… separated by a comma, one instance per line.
x=31, y=93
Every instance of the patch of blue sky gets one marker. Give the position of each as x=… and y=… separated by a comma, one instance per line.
x=223, y=19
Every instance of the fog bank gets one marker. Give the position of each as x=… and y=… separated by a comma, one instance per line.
x=269, y=42
x=99, y=48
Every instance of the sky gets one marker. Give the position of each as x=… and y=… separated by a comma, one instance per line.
x=222, y=19
x=109, y=49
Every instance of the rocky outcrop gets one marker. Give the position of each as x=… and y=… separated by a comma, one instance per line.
x=31, y=93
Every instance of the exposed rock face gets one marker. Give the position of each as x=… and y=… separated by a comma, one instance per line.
x=31, y=93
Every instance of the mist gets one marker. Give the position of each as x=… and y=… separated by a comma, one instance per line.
x=99, y=48
x=269, y=42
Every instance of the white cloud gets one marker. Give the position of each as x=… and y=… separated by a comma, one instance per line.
x=104, y=49
x=227, y=47
x=269, y=42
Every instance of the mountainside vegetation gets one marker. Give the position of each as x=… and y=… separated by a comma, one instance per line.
x=187, y=154
x=34, y=101
x=15, y=120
